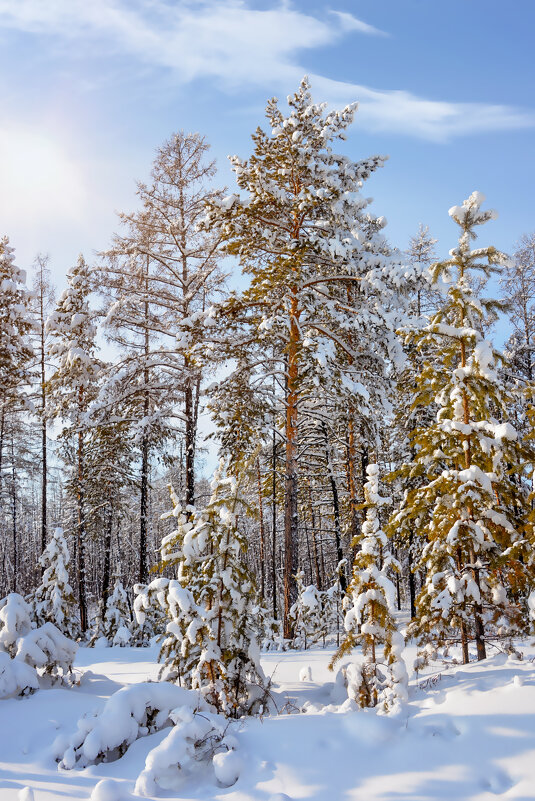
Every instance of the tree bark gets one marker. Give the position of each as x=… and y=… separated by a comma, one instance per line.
x=290, y=488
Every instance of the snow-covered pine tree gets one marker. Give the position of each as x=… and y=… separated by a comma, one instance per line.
x=421, y=253
x=15, y=621
x=469, y=504
x=376, y=681
x=72, y=386
x=53, y=600
x=320, y=280
x=15, y=327
x=212, y=641
x=114, y=624
x=15, y=373
x=150, y=611
x=309, y=621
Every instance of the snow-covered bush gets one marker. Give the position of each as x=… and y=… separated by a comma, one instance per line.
x=307, y=614
x=15, y=621
x=53, y=600
x=47, y=650
x=149, y=611
x=195, y=738
x=128, y=714
x=369, y=622
x=16, y=678
x=114, y=624
x=212, y=641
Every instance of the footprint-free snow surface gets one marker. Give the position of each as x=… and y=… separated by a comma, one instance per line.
x=467, y=733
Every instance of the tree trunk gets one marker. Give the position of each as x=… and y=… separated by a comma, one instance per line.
x=274, y=523
x=290, y=487
x=191, y=428
x=144, y=508
x=262, y=533
x=14, y=518
x=336, y=511
x=107, y=557
x=80, y=534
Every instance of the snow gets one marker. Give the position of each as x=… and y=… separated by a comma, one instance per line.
x=468, y=732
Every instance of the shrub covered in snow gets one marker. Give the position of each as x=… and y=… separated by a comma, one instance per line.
x=195, y=738
x=16, y=678
x=53, y=600
x=15, y=621
x=128, y=714
x=47, y=650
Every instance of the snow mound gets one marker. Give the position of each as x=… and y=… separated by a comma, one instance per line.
x=192, y=740
x=109, y=790
x=16, y=678
x=130, y=713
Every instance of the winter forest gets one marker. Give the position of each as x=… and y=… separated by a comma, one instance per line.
x=368, y=526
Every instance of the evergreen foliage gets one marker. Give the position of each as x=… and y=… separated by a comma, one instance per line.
x=470, y=505
x=53, y=600
x=212, y=641
x=369, y=620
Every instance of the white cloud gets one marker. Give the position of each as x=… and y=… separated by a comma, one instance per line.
x=242, y=46
x=351, y=23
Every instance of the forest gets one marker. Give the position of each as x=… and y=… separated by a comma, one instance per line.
x=376, y=450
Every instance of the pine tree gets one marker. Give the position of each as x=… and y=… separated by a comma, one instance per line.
x=320, y=280
x=15, y=327
x=53, y=600
x=114, y=623
x=15, y=374
x=212, y=641
x=369, y=620
x=72, y=387
x=309, y=621
x=469, y=505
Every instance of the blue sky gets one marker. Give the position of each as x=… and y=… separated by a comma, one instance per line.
x=88, y=90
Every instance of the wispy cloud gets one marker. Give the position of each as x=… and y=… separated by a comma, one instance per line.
x=241, y=46
x=351, y=23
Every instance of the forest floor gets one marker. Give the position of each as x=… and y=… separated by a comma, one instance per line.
x=468, y=733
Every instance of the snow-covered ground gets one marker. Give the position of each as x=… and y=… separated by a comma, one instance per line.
x=467, y=733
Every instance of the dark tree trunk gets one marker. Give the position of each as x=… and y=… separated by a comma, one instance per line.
x=80, y=535
x=144, y=509
x=274, y=523
x=336, y=511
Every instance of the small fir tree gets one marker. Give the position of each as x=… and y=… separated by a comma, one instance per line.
x=212, y=641
x=114, y=623
x=53, y=600
x=369, y=619
x=309, y=622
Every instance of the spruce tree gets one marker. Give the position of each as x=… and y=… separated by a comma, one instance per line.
x=469, y=504
x=212, y=641
x=378, y=679
x=53, y=600
x=72, y=386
